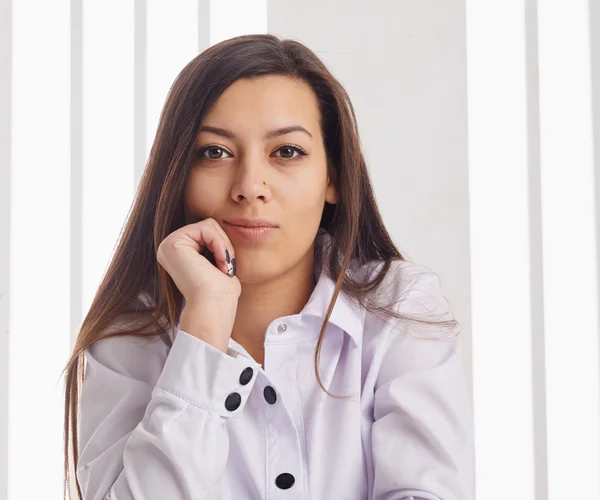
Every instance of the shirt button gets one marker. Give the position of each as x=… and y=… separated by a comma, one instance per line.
x=246, y=376
x=233, y=401
x=282, y=328
x=270, y=395
x=285, y=481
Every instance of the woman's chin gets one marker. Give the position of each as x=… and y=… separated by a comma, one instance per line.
x=254, y=272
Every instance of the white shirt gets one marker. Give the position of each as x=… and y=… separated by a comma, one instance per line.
x=191, y=422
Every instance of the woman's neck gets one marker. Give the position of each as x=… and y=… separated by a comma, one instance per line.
x=259, y=304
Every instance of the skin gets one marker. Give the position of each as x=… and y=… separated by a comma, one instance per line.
x=253, y=177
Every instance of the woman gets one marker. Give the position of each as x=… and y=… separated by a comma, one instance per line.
x=257, y=334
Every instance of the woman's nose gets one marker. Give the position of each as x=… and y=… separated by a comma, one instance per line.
x=250, y=183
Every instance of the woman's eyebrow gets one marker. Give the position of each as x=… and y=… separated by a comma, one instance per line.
x=269, y=135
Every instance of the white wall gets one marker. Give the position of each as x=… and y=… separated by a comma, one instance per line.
x=478, y=122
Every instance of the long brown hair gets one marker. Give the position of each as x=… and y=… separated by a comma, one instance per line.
x=354, y=222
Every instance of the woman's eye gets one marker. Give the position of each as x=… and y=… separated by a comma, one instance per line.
x=291, y=150
x=210, y=149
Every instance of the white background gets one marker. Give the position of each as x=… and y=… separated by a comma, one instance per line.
x=478, y=122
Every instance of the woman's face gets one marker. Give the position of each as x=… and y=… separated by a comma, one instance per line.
x=282, y=178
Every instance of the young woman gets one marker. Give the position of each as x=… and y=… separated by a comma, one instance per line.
x=257, y=334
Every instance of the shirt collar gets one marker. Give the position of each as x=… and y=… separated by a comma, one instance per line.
x=346, y=314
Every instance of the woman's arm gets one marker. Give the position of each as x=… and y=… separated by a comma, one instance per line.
x=153, y=441
x=423, y=446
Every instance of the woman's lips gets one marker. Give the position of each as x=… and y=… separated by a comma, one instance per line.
x=256, y=234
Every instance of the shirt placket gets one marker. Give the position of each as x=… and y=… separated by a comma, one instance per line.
x=285, y=467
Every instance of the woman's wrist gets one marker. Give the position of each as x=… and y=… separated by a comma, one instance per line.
x=193, y=323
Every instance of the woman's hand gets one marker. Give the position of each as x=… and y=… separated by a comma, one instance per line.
x=210, y=293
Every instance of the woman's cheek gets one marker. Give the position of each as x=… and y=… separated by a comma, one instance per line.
x=202, y=195
x=309, y=200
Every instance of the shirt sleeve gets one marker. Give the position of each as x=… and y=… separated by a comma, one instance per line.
x=152, y=430
x=422, y=435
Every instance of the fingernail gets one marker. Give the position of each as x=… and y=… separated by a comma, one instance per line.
x=227, y=256
x=233, y=264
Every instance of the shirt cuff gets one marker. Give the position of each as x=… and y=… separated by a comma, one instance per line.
x=206, y=377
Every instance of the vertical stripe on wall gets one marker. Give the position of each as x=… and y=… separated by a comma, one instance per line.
x=5, y=205
x=76, y=131
x=172, y=41
x=108, y=138
x=500, y=249
x=538, y=359
x=40, y=215
x=140, y=62
x=570, y=250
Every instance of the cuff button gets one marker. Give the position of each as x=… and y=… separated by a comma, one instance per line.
x=246, y=376
x=233, y=401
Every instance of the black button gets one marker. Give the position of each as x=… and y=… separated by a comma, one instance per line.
x=246, y=376
x=270, y=395
x=233, y=401
x=285, y=481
